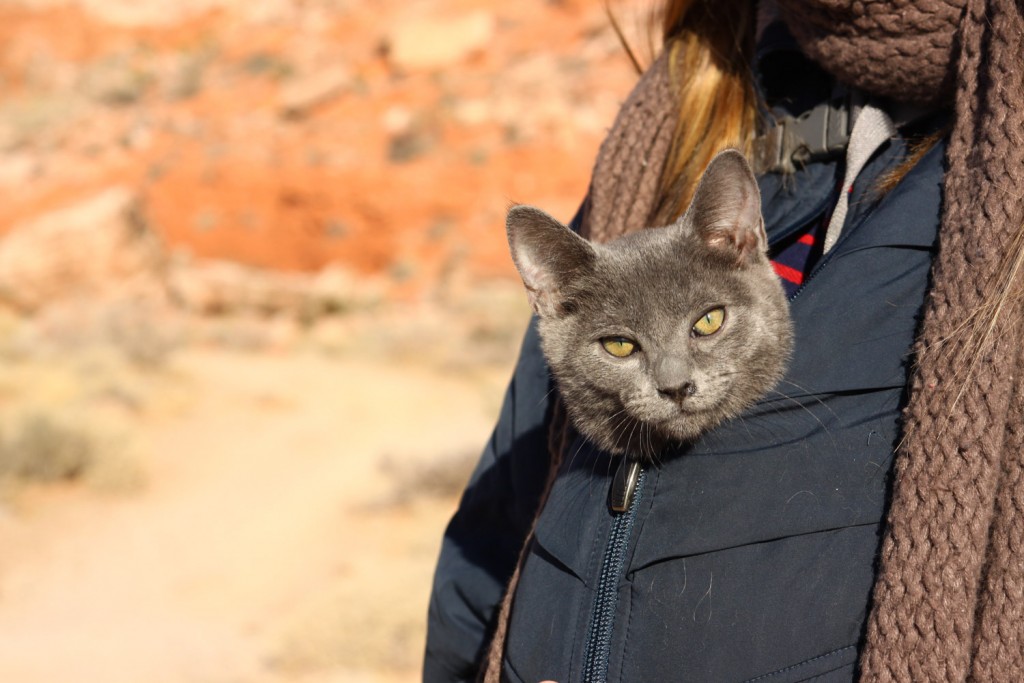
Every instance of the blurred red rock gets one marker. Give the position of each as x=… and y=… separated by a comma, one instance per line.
x=87, y=248
x=387, y=138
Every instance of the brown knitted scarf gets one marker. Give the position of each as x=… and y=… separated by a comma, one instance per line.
x=949, y=600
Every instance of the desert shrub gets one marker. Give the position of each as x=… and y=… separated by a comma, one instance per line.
x=144, y=336
x=442, y=478
x=43, y=449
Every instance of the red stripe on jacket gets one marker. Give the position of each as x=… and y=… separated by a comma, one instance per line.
x=790, y=274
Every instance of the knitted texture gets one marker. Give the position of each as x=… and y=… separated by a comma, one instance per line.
x=896, y=48
x=959, y=426
x=624, y=184
x=999, y=636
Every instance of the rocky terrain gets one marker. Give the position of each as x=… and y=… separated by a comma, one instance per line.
x=257, y=313
x=388, y=136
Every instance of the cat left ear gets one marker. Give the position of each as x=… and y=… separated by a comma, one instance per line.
x=548, y=256
x=726, y=209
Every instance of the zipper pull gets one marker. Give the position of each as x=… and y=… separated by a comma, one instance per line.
x=624, y=485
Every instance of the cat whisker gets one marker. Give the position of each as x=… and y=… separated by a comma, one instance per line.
x=650, y=443
x=620, y=425
x=654, y=452
x=629, y=438
x=548, y=394
x=642, y=441
x=811, y=413
x=770, y=435
x=810, y=393
x=580, y=443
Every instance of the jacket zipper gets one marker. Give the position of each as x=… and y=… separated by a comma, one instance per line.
x=624, y=498
x=627, y=489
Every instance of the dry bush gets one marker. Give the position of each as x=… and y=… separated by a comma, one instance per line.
x=44, y=449
x=443, y=478
x=144, y=334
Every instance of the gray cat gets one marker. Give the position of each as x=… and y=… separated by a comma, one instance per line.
x=660, y=335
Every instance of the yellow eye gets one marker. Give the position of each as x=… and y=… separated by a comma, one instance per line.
x=620, y=347
x=709, y=323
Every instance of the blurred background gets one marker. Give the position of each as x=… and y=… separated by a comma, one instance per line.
x=257, y=314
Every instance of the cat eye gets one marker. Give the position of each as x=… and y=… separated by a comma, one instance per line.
x=620, y=347
x=709, y=323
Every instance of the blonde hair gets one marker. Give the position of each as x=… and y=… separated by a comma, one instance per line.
x=711, y=44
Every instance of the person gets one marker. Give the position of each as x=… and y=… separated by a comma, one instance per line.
x=865, y=521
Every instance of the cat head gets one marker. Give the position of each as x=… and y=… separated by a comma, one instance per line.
x=660, y=335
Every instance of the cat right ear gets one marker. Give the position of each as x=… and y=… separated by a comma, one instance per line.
x=726, y=209
x=548, y=255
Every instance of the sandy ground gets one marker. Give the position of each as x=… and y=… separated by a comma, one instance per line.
x=279, y=531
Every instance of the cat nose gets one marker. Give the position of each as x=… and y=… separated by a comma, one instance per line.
x=679, y=393
x=671, y=376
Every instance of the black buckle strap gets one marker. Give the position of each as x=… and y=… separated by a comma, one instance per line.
x=820, y=133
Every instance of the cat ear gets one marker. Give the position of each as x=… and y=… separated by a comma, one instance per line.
x=726, y=209
x=548, y=256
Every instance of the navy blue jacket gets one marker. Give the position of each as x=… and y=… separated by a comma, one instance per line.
x=749, y=555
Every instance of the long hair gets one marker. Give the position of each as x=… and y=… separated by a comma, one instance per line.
x=711, y=44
